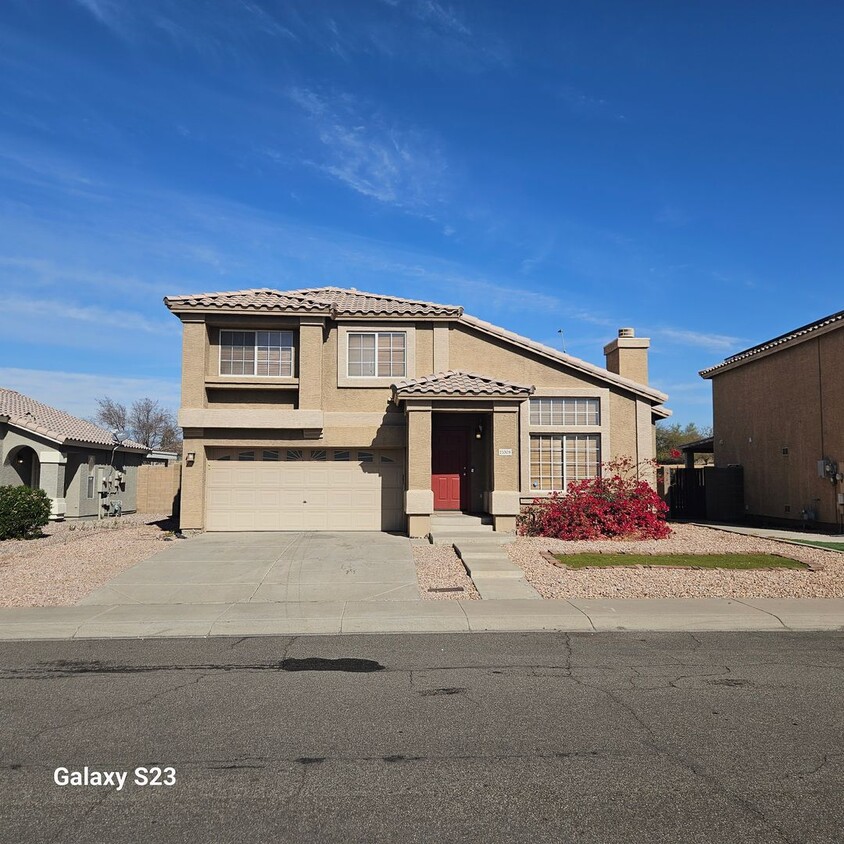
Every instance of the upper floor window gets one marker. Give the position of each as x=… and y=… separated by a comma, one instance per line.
x=565, y=411
x=256, y=353
x=377, y=354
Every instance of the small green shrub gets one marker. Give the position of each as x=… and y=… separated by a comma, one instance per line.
x=23, y=511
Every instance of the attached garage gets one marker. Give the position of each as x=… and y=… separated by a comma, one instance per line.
x=304, y=489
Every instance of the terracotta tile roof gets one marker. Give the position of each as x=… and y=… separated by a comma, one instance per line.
x=456, y=383
x=798, y=334
x=333, y=301
x=348, y=302
x=55, y=424
x=259, y=299
x=351, y=302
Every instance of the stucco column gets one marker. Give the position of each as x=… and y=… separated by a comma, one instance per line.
x=504, y=497
x=645, y=442
x=418, y=497
x=194, y=363
x=192, y=496
x=310, y=364
x=51, y=480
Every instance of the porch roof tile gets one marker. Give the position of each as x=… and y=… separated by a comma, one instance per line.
x=458, y=383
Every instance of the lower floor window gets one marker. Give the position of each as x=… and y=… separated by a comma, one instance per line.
x=558, y=459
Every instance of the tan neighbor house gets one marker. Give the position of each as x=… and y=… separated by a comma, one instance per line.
x=777, y=412
x=334, y=409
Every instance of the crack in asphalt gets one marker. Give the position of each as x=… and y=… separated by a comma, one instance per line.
x=666, y=752
x=119, y=709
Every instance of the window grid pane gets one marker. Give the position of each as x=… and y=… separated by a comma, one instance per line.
x=558, y=459
x=361, y=355
x=378, y=354
x=565, y=411
x=256, y=353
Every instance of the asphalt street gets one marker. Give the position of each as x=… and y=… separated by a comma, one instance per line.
x=666, y=737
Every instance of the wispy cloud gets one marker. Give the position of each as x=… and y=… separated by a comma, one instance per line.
x=698, y=339
x=423, y=31
x=362, y=149
x=37, y=315
x=77, y=392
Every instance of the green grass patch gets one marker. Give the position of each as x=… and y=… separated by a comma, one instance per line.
x=832, y=546
x=703, y=561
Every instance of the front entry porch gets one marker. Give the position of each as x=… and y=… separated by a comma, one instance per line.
x=460, y=461
x=462, y=448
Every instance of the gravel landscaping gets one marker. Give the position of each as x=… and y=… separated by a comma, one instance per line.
x=74, y=558
x=439, y=566
x=554, y=582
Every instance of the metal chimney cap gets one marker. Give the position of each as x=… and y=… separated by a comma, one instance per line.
x=626, y=332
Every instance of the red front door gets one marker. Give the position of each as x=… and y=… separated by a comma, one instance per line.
x=449, y=469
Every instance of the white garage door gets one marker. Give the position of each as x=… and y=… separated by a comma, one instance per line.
x=304, y=489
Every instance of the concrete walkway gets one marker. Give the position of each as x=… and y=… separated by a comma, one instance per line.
x=299, y=618
x=779, y=533
x=229, y=568
x=482, y=553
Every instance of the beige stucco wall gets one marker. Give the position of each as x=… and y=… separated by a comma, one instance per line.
x=358, y=414
x=791, y=399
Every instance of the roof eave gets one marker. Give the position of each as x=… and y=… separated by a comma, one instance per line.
x=400, y=396
x=576, y=363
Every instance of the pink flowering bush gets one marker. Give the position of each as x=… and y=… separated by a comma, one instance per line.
x=617, y=505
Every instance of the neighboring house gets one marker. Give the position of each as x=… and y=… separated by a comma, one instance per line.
x=333, y=409
x=80, y=466
x=777, y=412
x=160, y=458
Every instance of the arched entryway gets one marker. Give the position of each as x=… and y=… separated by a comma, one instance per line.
x=26, y=465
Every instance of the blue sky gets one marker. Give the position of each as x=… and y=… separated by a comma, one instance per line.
x=577, y=166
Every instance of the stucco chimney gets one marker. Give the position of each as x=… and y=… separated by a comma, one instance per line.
x=627, y=355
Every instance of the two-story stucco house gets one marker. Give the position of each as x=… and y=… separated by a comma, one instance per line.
x=334, y=409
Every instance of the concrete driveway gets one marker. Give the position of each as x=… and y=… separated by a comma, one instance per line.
x=269, y=567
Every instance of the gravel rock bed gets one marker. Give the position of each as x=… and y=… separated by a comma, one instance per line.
x=554, y=582
x=439, y=566
x=74, y=558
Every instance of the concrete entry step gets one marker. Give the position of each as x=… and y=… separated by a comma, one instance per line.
x=452, y=537
x=510, y=589
x=459, y=516
x=489, y=567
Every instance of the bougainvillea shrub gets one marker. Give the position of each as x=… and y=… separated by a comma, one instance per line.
x=619, y=504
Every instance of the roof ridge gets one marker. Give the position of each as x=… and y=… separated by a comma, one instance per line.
x=232, y=293
x=371, y=295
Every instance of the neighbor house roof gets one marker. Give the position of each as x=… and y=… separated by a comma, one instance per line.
x=798, y=335
x=348, y=302
x=456, y=383
x=328, y=301
x=54, y=424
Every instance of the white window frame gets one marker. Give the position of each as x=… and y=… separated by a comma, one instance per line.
x=563, y=443
x=254, y=333
x=526, y=429
x=536, y=400
x=373, y=327
x=379, y=336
